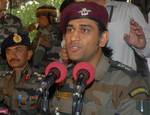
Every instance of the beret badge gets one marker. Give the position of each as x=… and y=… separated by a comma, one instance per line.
x=84, y=12
x=17, y=38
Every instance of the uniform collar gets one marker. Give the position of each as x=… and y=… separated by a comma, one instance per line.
x=23, y=73
x=102, y=67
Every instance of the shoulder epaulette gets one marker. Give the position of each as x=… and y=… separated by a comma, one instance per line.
x=125, y=68
x=3, y=74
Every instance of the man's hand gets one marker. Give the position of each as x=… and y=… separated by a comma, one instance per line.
x=136, y=37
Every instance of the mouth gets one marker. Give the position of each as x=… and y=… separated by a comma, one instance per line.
x=74, y=48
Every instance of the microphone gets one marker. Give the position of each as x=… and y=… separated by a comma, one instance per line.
x=83, y=74
x=55, y=72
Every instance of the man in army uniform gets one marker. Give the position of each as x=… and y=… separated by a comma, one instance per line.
x=46, y=44
x=17, y=87
x=8, y=24
x=115, y=90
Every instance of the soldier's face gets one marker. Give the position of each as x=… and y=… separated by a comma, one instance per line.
x=82, y=40
x=3, y=5
x=17, y=56
x=43, y=21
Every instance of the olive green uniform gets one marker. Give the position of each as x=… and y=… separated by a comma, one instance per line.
x=19, y=92
x=115, y=91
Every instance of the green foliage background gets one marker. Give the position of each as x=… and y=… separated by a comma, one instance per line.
x=26, y=11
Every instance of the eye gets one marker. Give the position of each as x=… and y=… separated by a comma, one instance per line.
x=85, y=29
x=69, y=29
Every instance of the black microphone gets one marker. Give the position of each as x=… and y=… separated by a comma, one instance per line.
x=55, y=72
x=83, y=74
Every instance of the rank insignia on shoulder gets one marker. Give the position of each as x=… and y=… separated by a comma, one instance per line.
x=123, y=67
x=3, y=74
x=137, y=91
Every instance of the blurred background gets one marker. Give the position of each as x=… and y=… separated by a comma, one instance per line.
x=25, y=9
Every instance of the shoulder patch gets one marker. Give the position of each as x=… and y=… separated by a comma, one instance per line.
x=137, y=91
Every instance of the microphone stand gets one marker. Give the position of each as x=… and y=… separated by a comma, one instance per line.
x=45, y=102
x=78, y=96
x=45, y=94
x=77, y=104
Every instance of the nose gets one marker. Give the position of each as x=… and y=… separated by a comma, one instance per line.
x=75, y=36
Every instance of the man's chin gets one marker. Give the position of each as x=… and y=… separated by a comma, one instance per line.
x=14, y=65
x=73, y=58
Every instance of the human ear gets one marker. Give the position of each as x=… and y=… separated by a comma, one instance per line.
x=103, y=39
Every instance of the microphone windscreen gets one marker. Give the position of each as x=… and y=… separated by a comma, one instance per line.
x=84, y=66
x=61, y=68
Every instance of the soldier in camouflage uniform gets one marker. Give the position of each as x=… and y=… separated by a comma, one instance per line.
x=116, y=89
x=18, y=86
x=46, y=44
x=8, y=24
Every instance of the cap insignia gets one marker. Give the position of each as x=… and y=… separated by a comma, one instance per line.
x=84, y=12
x=17, y=38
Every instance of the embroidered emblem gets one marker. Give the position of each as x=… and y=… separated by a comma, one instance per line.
x=17, y=38
x=84, y=12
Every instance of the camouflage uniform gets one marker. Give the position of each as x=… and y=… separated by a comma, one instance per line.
x=8, y=24
x=50, y=39
x=19, y=92
x=46, y=44
x=115, y=91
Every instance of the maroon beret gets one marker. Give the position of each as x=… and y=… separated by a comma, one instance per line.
x=89, y=10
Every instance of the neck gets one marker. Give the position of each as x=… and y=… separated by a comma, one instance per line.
x=94, y=61
x=18, y=70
